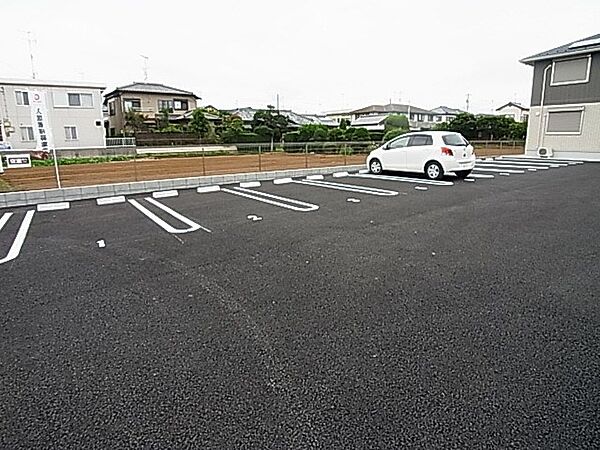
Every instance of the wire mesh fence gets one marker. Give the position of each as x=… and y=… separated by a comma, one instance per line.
x=126, y=163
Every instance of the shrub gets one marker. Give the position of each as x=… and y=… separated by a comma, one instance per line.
x=392, y=134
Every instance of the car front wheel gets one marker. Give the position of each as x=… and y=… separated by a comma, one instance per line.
x=375, y=167
x=434, y=171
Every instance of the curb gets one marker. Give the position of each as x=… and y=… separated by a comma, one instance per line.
x=26, y=198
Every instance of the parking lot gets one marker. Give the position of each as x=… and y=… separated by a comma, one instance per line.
x=354, y=311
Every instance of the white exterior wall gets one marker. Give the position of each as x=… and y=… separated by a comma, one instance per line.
x=87, y=120
x=512, y=111
x=583, y=145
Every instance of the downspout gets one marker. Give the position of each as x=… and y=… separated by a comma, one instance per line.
x=540, y=133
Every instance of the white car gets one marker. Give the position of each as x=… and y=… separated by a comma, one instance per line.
x=433, y=153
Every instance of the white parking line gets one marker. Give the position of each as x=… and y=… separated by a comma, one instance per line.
x=349, y=188
x=275, y=200
x=421, y=188
x=525, y=163
x=15, y=248
x=363, y=171
x=404, y=179
x=570, y=162
x=110, y=200
x=192, y=226
x=483, y=169
x=53, y=206
x=314, y=177
x=165, y=194
x=513, y=166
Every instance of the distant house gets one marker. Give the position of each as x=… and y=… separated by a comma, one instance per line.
x=296, y=120
x=338, y=115
x=565, y=100
x=148, y=99
x=443, y=114
x=42, y=115
x=373, y=116
x=514, y=111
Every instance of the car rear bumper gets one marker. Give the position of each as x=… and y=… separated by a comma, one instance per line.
x=459, y=165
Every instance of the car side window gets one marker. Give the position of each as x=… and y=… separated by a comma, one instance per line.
x=417, y=141
x=399, y=143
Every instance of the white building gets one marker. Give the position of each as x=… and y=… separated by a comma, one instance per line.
x=40, y=115
x=514, y=111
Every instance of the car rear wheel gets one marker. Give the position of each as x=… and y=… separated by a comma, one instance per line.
x=462, y=174
x=434, y=171
x=375, y=167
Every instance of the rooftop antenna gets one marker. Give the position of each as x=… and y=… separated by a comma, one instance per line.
x=145, y=67
x=468, y=102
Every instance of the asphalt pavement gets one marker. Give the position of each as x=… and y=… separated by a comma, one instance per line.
x=461, y=316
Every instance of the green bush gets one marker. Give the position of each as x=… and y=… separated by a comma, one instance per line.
x=361, y=134
x=392, y=134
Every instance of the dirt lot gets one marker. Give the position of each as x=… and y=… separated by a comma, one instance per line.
x=155, y=169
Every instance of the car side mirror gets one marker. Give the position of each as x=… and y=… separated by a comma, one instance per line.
x=386, y=146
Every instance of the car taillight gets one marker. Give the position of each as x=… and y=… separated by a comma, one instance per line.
x=447, y=151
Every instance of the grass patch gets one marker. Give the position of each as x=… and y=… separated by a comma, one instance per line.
x=4, y=185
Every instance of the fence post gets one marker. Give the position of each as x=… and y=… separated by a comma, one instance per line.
x=500, y=145
x=306, y=156
x=135, y=168
x=259, y=158
x=56, y=168
x=345, y=155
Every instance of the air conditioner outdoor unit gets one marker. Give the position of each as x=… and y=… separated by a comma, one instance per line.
x=544, y=152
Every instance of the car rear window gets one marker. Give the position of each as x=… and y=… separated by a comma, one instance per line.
x=454, y=139
x=416, y=141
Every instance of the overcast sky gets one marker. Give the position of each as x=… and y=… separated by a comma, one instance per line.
x=318, y=55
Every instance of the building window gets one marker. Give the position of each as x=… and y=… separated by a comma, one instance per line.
x=111, y=108
x=165, y=104
x=564, y=122
x=80, y=100
x=571, y=71
x=132, y=104
x=22, y=98
x=27, y=134
x=180, y=105
x=71, y=133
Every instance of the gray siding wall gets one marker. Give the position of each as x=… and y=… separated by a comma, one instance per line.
x=568, y=94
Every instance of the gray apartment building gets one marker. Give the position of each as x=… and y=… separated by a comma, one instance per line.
x=565, y=100
x=149, y=100
x=36, y=114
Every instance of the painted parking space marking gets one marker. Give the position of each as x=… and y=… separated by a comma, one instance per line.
x=15, y=248
x=421, y=188
x=53, y=206
x=348, y=187
x=208, y=189
x=363, y=171
x=524, y=163
x=570, y=162
x=275, y=200
x=315, y=177
x=192, y=226
x=484, y=169
x=513, y=166
x=110, y=200
x=403, y=179
x=165, y=194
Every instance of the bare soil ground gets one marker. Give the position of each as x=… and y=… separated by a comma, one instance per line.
x=165, y=168
x=156, y=169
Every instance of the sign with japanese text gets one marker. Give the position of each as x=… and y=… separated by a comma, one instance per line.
x=18, y=161
x=39, y=120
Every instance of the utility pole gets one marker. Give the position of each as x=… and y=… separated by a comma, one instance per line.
x=277, y=103
x=145, y=67
x=30, y=42
x=468, y=102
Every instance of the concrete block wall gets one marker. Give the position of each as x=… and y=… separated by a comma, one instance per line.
x=25, y=198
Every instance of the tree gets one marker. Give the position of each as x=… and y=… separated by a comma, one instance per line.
x=199, y=123
x=336, y=135
x=392, y=134
x=135, y=121
x=277, y=123
x=361, y=134
x=395, y=121
x=465, y=124
x=162, y=120
x=344, y=123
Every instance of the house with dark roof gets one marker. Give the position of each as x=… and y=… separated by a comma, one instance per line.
x=514, y=111
x=148, y=99
x=373, y=117
x=564, y=117
x=444, y=114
